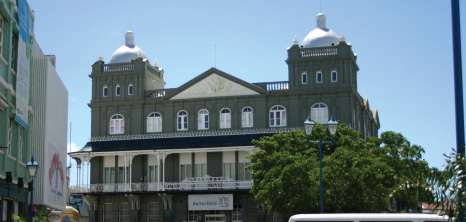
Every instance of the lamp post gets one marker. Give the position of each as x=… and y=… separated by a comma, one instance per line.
x=32, y=168
x=332, y=128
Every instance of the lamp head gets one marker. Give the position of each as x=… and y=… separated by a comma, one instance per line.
x=32, y=167
x=332, y=126
x=309, y=125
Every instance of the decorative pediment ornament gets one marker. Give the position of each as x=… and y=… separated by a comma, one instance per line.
x=214, y=86
x=135, y=201
x=92, y=201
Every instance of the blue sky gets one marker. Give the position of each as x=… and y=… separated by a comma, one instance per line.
x=404, y=50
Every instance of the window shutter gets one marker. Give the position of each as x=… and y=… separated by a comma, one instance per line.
x=158, y=124
x=250, y=119
x=200, y=124
x=222, y=120
x=283, y=118
x=149, y=125
x=243, y=119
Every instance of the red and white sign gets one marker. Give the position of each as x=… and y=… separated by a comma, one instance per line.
x=210, y=202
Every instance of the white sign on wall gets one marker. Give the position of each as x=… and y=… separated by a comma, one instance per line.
x=210, y=202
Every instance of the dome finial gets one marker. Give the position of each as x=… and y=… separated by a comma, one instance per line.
x=321, y=21
x=129, y=38
x=156, y=64
x=140, y=54
x=295, y=41
x=100, y=58
x=342, y=38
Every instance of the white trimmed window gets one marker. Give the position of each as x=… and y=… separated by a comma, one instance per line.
x=130, y=89
x=105, y=91
x=107, y=212
x=20, y=145
x=182, y=120
x=203, y=119
x=186, y=169
x=200, y=166
x=1, y=36
x=334, y=75
x=247, y=117
x=124, y=212
x=109, y=173
x=153, y=211
x=304, y=78
x=277, y=116
x=117, y=90
x=154, y=123
x=319, y=113
x=243, y=174
x=319, y=77
x=117, y=124
x=228, y=167
x=225, y=118
x=10, y=136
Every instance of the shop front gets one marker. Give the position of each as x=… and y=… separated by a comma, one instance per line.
x=213, y=207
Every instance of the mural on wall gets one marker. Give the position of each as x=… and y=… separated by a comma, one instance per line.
x=56, y=177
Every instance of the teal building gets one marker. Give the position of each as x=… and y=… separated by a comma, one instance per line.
x=16, y=33
x=179, y=154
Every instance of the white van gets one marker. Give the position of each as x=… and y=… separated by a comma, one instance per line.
x=374, y=217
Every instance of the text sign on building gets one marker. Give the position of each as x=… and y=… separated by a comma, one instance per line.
x=24, y=56
x=76, y=200
x=210, y=202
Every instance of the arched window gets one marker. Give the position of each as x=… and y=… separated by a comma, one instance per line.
x=117, y=124
x=182, y=120
x=154, y=123
x=117, y=90
x=334, y=75
x=304, y=78
x=105, y=91
x=130, y=89
x=277, y=116
x=203, y=119
x=247, y=117
x=319, y=77
x=319, y=113
x=124, y=212
x=225, y=118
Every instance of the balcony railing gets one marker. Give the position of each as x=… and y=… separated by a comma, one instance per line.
x=319, y=52
x=194, y=184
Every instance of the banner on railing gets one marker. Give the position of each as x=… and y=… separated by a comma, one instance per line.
x=210, y=202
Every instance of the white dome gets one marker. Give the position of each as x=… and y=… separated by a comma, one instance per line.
x=128, y=52
x=321, y=36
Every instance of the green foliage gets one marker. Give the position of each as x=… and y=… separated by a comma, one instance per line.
x=17, y=218
x=448, y=186
x=359, y=174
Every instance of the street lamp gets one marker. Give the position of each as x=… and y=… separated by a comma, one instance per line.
x=332, y=128
x=32, y=168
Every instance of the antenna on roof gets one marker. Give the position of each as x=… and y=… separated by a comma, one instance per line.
x=320, y=5
x=215, y=61
x=129, y=25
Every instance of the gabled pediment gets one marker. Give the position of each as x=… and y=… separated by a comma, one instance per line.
x=215, y=83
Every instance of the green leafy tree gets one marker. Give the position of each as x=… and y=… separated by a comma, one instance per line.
x=359, y=174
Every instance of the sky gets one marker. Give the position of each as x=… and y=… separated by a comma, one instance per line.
x=403, y=47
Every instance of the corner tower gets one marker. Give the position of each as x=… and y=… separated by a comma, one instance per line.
x=121, y=85
x=324, y=61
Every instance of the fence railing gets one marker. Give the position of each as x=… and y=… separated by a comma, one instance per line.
x=209, y=183
x=318, y=52
x=118, y=67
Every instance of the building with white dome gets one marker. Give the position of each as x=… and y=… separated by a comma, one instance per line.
x=179, y=154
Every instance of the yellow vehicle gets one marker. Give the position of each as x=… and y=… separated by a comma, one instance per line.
x=70, y=215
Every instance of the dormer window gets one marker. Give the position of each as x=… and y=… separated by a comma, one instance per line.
x=117, y=90
x=334, y=76
x=105, y=91
x=304, y=78
x=130, y=89
x=319, y=77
